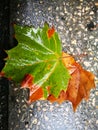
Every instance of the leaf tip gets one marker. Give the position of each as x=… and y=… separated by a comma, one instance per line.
x=27, y=81
x=50, y=32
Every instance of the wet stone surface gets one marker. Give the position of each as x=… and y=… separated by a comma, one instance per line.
x=70, y=19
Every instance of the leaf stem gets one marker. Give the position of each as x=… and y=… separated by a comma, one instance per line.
x=78, y=55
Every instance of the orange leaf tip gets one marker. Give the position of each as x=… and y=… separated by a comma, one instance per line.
x=50, y=32
x=27, y=81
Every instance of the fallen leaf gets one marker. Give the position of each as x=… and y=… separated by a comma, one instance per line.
x=39, y=64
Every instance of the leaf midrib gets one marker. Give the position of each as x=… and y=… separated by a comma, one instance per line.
x=23, y=64
x=43, y=80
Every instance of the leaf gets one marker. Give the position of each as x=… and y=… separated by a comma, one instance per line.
x=39, y=64
x=37, y=59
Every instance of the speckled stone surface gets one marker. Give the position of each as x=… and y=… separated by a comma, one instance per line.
x=70, y=18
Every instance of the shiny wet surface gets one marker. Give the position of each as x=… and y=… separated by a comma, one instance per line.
x=70, y=19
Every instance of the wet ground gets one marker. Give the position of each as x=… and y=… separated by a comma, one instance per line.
x=72, y=20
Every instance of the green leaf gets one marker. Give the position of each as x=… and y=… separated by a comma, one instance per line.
x=40, y=56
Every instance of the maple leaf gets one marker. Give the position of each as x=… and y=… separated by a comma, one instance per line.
x=36, y=59
x=39, y=64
